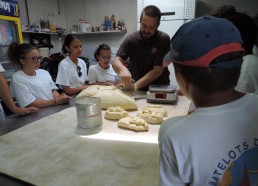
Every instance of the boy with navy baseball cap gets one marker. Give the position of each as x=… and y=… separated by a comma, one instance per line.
x=218, y=143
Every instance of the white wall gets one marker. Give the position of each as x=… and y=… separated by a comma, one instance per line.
x=94, y=13
x=72, y=11
x=49, y=9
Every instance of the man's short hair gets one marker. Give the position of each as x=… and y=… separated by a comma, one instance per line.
x=245, y=24
x=247, y=28
x=224, y=11
x=151, y=11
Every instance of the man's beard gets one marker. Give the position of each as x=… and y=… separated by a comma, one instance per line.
x=146, y=35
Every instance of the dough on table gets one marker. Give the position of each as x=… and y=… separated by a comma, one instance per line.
x=133, y=123
x=151, y=116
x=115, y=113
x=110, y=96
x=156, y=108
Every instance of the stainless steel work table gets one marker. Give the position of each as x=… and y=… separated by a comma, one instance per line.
x=52, y=151
x=16, y=121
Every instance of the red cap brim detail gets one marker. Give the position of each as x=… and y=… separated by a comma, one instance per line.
x=206, y=59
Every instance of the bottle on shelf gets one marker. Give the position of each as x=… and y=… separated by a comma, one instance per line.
x=123, y=25
x=113, y=22
x=107, y=23
x=119, y=25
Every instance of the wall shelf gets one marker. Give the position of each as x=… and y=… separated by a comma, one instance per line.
x=81, y=33
x=101, y=32
x=32, y=32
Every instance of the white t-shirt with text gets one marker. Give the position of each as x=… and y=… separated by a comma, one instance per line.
x=211, y=145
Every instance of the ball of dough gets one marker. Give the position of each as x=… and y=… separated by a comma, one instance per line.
x=115, y=113
x=151, y=116
x=133, y=123
x=156, y=108
x=110, y=96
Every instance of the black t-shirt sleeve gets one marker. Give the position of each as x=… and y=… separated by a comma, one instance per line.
x=124, y=49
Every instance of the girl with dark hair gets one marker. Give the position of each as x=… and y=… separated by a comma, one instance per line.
x=103, y=73
x=72, y=71
x=6, y=96
x=30, y=85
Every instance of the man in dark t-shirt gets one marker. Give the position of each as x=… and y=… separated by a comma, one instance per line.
x=145, y=50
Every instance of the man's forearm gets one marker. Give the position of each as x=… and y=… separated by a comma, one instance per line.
x=123, y=72
x=118, y=65
x=148, y=78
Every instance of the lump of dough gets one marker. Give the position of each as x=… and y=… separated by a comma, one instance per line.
x=110, y=96
x=156, y=108
x=151, y=116
x=93, y=90
x=133, y=123
x=115, y=113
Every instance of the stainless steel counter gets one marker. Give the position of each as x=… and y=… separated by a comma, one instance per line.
x=16, y=121
x=113, y=155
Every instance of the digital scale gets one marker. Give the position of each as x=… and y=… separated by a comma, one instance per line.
x=162, y=94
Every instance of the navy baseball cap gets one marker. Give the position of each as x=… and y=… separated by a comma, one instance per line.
x=198, y=42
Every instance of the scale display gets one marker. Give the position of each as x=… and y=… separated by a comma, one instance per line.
x=161, y=96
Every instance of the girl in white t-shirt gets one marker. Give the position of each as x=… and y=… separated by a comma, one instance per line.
x=72, y=71
x=103, y=72
x=30, y=85
x=6, y=96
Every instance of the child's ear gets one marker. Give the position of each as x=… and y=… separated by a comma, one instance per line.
x=21, y=61
x=67, y=49
x=180, y=77
x=184, y=85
